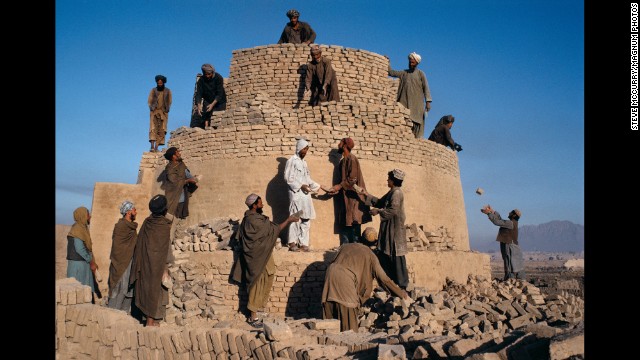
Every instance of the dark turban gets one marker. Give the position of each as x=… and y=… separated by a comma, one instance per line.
x=348, y=142
x=293, y=13
x=161, y=77
x=208, y=69
x=158, y=204
x=170, y=152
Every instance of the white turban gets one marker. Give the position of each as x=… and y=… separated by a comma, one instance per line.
x=416, y=57
x=301, y=144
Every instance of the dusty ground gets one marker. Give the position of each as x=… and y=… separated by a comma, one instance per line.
x=549, y=275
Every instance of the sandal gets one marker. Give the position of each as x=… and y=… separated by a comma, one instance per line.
x=294, y=248
x=304, y=248
x=256, y=323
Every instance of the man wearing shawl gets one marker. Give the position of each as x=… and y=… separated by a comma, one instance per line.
x=159, y=102
x=321, y=78
x=122, y=246
x=300, y=184
x=351, y=211
x=81, y=264
x=392, y=242
x=512, y=258
x=441, y=134
x=296, y=32
x=151, y=259
x=413, y=90
x=348, y=283
x=210, y=96
x=255, y=267
x=177, y=176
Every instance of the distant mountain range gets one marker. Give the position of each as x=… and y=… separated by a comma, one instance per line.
x=554, y=236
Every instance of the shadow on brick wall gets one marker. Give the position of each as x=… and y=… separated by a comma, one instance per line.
x=305, y=298
x=302, y=70
x=277, y=197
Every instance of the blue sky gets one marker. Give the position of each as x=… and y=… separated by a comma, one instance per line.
x=510, y=71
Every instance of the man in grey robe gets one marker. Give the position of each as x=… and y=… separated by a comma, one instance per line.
x=392, y=242
x=321, y=79
x=296, y=32
x=413, y=91
x=512, y=258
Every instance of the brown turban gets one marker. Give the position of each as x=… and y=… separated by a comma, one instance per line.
x=348, y=142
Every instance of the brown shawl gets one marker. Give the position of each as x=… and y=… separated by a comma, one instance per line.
x=122, y=246
x=320, y=74
x=257, y=235
x=80, y=229
x=354, y=210
x=149, y=263
x=174, y=186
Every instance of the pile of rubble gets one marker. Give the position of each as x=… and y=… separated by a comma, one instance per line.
x=208, y=235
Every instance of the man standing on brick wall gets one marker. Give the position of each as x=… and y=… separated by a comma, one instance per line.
x=123, y=243
x=210, y=96
x=159, y=102
x=296, y=32
x=300, y=184
x=512, y=258
x=321, y=78
x=441, y=134
x=151, y=259
x=413, y=90
x=348, y=282
x=354, y=213
x=255, y=267
x=392, y=242
x=177, y=177
x=81, y=264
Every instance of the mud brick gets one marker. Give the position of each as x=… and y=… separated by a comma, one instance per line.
x=266, y=350
x=518, y=308
x=231, y=341
x=386, y=351
x=258, y=354
x=223, y=339
x=167, y=344
x=519, y=321
x=533, y=310
x=475, y=308
x=205, y=356
x=253, y=344
x=202, y=342
x=186, y=339
x=241, y=349
x=278, y=331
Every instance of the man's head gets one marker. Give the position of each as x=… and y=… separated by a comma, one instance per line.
x=161, y=80
x=370, y=236
x=414, y=60
x=208, y=70
x=448, y=120
x=173, y=154
x=515, y=214
x=158, y=205
x=316, y=53
x=254, y=202
x=395, y=177
x=345, y=143
x=302, y=146
x=293, y=16
x=82, y=216
x=128, y=208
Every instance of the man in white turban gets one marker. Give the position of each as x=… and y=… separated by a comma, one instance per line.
x=413, y=91
x=298, y=178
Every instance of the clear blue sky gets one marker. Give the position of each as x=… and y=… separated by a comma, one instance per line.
x=510, y=71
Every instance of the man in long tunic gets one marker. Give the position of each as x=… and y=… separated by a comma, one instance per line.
x=151, y=259
x=123, y=243
x=413, y=91
x=210, y=96
x=392, y=243
x=300, y=186
x=80, y=262
x=255, y=267
x=441, y=134
x=353, y=213
x=512, y=257
x=159, y=102
x=321, y=78
x=296, y=32
x=348, y=284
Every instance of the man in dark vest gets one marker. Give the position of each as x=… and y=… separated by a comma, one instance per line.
x=508, y=238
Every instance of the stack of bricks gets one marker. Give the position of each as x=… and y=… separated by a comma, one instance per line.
x=265, y=114
x=423, y=240
x=208, y=235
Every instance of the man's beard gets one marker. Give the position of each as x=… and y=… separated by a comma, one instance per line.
x=133, y=217
x=160, y=88
x=340, y=151
x=259, y=210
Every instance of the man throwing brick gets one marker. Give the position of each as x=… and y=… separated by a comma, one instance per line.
x=257, y=236
x=508, y=237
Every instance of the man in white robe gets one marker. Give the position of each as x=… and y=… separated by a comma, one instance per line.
x=301, y=186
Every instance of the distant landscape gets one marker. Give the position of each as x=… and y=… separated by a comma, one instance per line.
x=555, y=236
